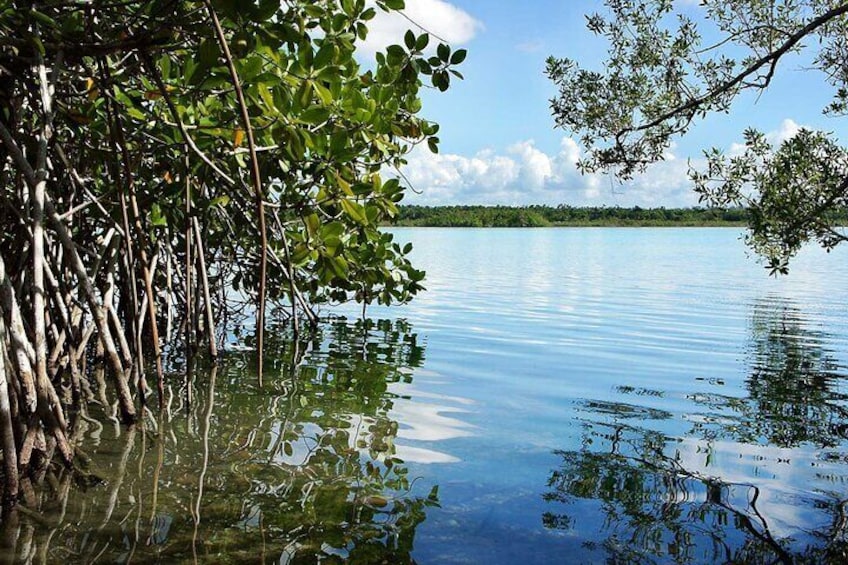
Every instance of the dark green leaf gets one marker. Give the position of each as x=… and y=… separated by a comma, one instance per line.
x=458, y=56
x=422, y=42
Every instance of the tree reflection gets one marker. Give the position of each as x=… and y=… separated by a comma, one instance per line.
x=661, y=498
x=796, y=394
x=302, y=470
x=656, y=510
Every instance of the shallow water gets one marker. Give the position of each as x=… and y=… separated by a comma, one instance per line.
x=558, y=395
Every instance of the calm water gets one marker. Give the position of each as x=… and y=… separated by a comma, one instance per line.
x=557, y=396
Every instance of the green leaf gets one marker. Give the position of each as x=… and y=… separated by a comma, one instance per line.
x=324, y=94
x=338, y=142
x=208, y=53
x=458, y=56
x=221, y=200
x=250, y=67
x=361, y=31
x=373, y=213
x=304, y=93
x=266, y=9
x=325, y=55
x=422, y=42
x=443, y=51
x=165, y=66
x=314, y=10
x=42, y=18
x=156, y=217
x=315, y=115
x=333, y=229
x=313, y=223
x=136, y=113
x=300, y=254
x=339, y=266
x=414, y=106
x=343, y=184
x=267, y=97
x=39, y=46
x=355, y=211
x=391, y=186
x=441, y=80
x=395, y=55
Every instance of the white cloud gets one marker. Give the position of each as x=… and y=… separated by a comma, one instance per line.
x=536, y=168
x=525, y=174
x=438, y=17
x=787, y=130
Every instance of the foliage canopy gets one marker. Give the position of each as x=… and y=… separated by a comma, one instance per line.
x=157, y=153
x=662, y=76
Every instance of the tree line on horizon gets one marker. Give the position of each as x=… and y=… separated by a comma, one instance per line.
x=565, y=215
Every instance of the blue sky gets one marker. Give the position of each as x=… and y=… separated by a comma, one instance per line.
x=498, y=141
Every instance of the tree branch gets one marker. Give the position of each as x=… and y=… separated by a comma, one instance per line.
x=769, y=59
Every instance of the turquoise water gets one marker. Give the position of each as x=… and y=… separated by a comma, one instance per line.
x=556, y=396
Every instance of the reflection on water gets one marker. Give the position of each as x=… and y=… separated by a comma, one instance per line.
x=757, y=479
x=304, y=469
x=796, y=390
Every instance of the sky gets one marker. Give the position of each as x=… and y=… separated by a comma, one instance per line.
x=498, y=141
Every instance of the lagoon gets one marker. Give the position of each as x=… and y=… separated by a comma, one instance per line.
x=557, y=395
x=637, y=395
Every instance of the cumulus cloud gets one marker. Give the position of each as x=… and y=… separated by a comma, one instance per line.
x=536, y=168
x=525, y=174
x=787, y=130
x=438, y=17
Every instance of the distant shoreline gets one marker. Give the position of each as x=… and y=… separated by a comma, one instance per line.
x=566, y=216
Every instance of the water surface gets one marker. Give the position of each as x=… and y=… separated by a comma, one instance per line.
x=558, y=395
x=640, y=395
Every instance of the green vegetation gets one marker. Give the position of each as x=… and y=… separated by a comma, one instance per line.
x=665, y=71
x=156, y=155
x=542, y=216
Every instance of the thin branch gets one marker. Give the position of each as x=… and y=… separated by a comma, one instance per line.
x=255, y=175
